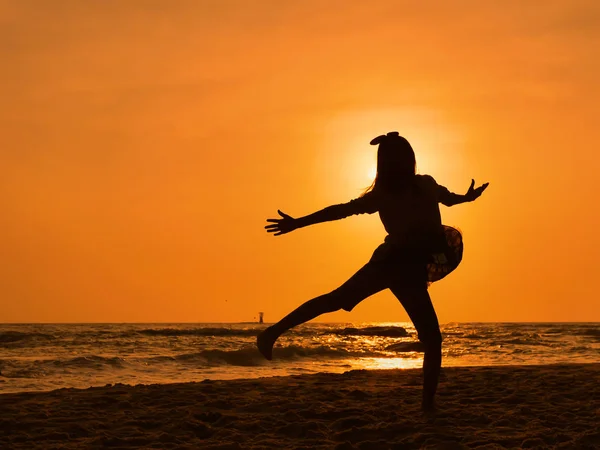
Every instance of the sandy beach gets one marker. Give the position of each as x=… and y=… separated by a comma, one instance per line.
x=555, y=406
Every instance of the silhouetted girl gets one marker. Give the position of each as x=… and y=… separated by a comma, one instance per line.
x=417, y=251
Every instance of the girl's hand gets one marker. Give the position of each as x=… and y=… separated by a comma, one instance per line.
x=281, y=226
x=472, y=194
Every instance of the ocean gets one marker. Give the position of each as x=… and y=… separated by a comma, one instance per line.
x=42, y=357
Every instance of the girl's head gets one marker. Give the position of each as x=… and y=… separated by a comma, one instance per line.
x=396, y=163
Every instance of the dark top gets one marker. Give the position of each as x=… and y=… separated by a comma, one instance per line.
x=411, y=216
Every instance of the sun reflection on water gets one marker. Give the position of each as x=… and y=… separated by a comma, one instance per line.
x=393, y=363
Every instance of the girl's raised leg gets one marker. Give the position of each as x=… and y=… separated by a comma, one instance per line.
x=364, y=283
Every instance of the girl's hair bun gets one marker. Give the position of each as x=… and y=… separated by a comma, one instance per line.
x=379, y=139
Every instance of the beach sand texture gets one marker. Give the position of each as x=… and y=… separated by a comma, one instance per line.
x=554, y=406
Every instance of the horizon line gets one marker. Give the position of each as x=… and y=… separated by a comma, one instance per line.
x=268, y=323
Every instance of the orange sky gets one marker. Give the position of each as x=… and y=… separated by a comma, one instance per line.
x=144, y=143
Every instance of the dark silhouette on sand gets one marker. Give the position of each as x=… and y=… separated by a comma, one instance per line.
x=417, y=251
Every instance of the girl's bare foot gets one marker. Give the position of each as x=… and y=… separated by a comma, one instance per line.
x=265, y=341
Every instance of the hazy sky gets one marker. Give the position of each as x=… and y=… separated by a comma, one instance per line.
x=144, y=143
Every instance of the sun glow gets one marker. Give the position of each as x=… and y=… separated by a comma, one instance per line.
x=372, y=172
x=348, y=151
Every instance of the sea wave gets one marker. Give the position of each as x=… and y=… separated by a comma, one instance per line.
x=473, y=336
x=76, y=338
x=197, y=332
x=382, y=331
x=518, y=341
x=249, y=356
x=9, y=338
x=89, y=361
x=23, y=372
x=245, y=356
x=372, y=331
x=588, y=332
x=405, y=347
x=10, y=368
x=123, y=337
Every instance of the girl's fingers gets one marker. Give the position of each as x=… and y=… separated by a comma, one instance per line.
x=482, y=188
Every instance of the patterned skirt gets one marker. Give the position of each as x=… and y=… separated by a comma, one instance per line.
x=441, y=264
x=419, y=266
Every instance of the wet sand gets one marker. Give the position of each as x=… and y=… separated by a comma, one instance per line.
x=555, y=406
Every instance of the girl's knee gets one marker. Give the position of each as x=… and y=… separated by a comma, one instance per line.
x=431, y=340
x=341, y=298
x=332, y=301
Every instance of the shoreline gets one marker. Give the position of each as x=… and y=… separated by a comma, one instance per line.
x=525, y=406
x=340, y=371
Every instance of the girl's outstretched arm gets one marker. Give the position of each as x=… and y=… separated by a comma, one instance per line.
x=450, y=198
x=286, y=223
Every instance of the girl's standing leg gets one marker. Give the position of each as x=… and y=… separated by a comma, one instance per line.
x=369, y=280
x=418, y=305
